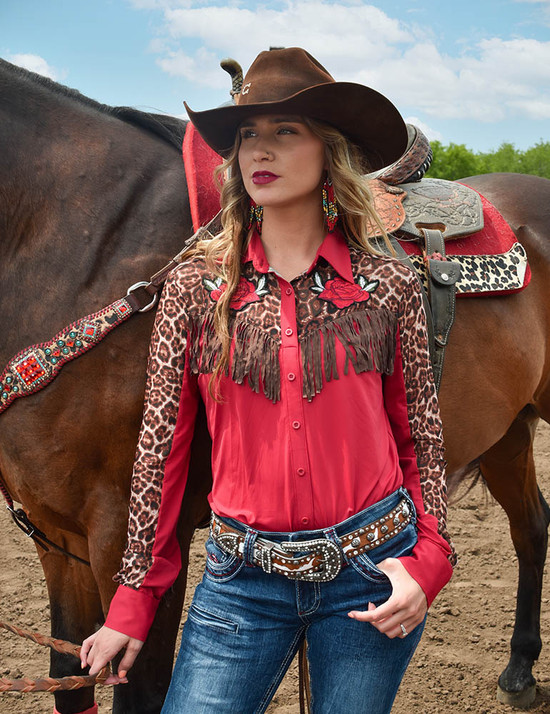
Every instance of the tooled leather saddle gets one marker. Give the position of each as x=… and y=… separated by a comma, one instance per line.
x=429, y=221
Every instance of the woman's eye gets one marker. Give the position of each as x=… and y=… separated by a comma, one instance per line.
x=286, y=130
x=247, y=133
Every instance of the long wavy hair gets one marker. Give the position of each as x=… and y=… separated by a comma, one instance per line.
x=358, y=220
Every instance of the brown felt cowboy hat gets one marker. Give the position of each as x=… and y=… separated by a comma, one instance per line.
x=290, y=80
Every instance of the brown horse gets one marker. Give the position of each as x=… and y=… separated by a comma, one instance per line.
x=93, y=199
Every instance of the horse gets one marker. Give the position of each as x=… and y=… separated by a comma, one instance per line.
x=93, y=198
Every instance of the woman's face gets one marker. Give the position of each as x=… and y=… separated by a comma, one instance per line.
x=282, y=161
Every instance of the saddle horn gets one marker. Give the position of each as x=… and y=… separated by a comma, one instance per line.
x=236, y=71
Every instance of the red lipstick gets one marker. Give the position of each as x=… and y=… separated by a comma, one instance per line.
x=261, y=177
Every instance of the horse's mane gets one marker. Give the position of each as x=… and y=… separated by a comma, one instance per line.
x=167, y=127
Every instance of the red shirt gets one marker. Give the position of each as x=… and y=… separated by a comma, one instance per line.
x=329, y=406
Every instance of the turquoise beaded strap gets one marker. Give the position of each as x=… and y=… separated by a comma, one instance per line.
x=36, y=366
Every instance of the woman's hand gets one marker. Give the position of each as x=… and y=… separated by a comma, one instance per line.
x=100, y=648
x=406, y=606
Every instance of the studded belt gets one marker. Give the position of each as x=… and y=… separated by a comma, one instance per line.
x=317, y=560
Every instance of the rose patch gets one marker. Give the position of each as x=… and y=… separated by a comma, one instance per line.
x=341, y=292
x=247, y=291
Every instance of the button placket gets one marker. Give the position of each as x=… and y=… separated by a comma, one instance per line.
x=292, y=393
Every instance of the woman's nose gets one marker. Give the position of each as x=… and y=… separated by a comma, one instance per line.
x=262, y=152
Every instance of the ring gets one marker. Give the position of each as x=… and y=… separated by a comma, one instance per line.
x=403, y=630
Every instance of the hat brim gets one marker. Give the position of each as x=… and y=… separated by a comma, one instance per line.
x=362, y=114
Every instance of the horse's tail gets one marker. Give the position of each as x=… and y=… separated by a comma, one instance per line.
x=469, y=475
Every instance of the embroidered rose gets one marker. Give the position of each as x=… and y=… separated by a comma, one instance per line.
x=246, y=292
x=343, y=293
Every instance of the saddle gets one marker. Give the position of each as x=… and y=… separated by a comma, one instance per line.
x=474, y=234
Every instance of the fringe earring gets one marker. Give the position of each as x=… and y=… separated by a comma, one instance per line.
x=330, y=209
x=255, y=213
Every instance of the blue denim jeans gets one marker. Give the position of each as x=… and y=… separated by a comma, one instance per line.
x=244, y=627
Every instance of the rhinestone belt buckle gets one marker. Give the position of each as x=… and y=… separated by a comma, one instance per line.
x=330, y=552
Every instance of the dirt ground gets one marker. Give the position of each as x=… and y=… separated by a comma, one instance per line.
x=454, y=670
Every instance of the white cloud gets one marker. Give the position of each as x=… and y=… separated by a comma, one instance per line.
x=343, y=35
x=489, y=81
x=202, y=67
x=35, y=63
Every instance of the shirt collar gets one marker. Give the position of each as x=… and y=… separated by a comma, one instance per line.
x=333, y=249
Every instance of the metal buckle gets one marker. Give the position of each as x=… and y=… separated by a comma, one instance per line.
x=332, y=559
x=143, y=284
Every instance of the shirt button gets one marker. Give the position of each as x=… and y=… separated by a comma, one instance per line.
x=305, y=520
x=296, y=425
x=291, y=376
x=288, y=291
x=301, y=471
x=288, y=331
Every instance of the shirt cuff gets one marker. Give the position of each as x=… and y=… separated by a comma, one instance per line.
x=432, y=571
x=132, y=612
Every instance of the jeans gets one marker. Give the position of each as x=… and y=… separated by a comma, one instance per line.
x=244, y=627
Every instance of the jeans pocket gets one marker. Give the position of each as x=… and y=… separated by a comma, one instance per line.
x=397, y=547
x=221, y=566
x=211, y=619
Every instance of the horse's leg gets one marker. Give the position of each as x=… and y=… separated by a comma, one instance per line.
x=75, y=611
x=150, y=676
x=509, y=470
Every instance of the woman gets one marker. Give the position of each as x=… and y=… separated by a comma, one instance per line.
x=309, y=350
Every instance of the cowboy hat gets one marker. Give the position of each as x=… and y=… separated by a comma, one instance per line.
x=290, y=80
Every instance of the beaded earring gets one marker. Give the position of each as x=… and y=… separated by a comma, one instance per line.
x=255, y=213
x=330, y=207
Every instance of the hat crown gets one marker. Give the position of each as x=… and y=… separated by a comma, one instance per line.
x=278, y=74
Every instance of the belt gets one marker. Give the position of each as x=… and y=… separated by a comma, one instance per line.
x=320, y=559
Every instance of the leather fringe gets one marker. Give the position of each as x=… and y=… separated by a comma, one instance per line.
x=254, y=357
x=367, y=336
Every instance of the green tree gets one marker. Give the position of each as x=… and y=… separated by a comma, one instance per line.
x=456, y=161
x=536, y=160
x=452, y=161
x=506, y=158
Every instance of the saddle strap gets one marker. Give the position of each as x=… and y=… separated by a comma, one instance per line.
x=443, y=274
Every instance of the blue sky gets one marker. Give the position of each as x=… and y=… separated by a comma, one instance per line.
x=472, y=72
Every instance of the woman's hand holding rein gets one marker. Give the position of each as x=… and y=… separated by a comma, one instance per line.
x=100, y=648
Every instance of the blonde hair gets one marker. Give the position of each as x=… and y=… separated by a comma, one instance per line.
x=358, y=221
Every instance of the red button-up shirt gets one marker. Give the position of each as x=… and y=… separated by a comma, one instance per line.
x=329, y=406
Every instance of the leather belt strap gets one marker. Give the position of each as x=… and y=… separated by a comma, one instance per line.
x=319, y=559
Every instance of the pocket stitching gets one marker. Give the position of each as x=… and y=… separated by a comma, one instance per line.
x=222, y=572
x=210, y=619
x=225, y=573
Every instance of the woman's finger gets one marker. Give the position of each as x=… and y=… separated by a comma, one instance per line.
x=86, y=647
x=132, y=650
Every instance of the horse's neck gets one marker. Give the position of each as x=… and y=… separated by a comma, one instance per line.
x=88, y=206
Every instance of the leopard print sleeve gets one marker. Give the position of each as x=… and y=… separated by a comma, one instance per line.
x=158, y=481
x=422, y=406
